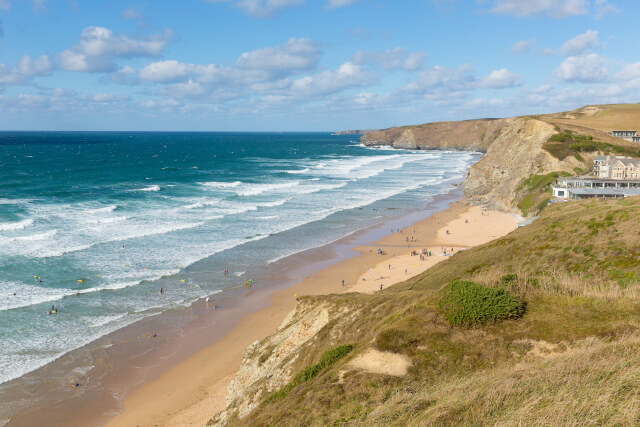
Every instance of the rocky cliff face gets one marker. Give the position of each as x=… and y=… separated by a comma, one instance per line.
x=270, y=364
x=465, y=135
x=355, y=132
x=515, y=154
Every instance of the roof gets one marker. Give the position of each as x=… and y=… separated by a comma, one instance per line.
x=604, y=191
x=626, y=162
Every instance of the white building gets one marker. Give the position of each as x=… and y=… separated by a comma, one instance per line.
x=627, y=135
x=616, y=167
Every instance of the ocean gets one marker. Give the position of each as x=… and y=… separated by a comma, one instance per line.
x=97, y=223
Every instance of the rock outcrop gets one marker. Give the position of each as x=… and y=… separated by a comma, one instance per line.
x=515, y=154
x=355, y=132
x=513, y=150
x=475, y=135
x=268, y=365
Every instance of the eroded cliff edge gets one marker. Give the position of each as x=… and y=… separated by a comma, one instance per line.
x=513, y=152
x=476, y=135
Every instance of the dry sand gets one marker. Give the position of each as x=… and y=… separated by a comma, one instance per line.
x=191, y=392
x=470, y=228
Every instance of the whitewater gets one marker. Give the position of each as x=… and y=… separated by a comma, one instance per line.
x=97, y=223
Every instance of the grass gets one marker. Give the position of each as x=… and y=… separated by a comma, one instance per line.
x=466, y=303
x=328, y=358
x=571, y=358
x=535, y=191
x=567, y=143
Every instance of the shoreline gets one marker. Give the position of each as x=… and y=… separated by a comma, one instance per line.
x=194, y=390
x=121, y=362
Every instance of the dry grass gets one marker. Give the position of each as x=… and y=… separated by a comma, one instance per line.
x=572, y=358
x=593, y=382
x=606, y=119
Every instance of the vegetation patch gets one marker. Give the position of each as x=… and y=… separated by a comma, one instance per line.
x=536, y=190
x=567, y=143
x=465, y=303
x=328, y=358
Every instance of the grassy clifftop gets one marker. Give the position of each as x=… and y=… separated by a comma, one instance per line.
x=557, y=340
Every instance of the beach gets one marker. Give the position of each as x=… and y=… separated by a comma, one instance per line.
x=194, y=390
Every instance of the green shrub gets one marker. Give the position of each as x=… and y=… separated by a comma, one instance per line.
x=525, y=204
x=465, y=303
x=565, y=144
x=327, y=359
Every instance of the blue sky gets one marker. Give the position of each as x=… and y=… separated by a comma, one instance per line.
x=295, y=65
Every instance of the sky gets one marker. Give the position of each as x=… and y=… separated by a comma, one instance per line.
x=308, y=65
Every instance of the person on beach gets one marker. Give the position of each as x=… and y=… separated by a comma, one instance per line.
x=381, y=285
x=389, y=266
x=342, y=282
x=161, y=291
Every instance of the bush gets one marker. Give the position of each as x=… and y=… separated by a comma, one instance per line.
x=328, y=358
x=563, y=145
x=465, y=303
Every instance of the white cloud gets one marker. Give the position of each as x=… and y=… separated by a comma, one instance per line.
x=629, y=72
x=297, y=54
x=396, y=58
x=188, y=89
x=582, y=42
x=332, y=4
x=99, y=47
x=107, y=97
x=587, y=68
x=132, y=13
x=25, y=70
x=164, y=71
x=552, y=8
x=603, y=7
x=160, y=103
x=500, y=79
x=261, y=8
x=523, y=46
x=348, y=75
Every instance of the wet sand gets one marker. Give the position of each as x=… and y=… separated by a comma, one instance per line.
x=194, y=390
x=120, y=366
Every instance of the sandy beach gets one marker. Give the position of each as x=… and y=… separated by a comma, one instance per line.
x=191, y=392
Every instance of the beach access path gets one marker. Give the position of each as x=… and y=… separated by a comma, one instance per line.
x=193, y=391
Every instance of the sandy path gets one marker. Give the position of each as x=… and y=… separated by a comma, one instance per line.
x=191, y=392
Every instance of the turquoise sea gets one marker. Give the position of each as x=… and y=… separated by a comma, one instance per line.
x=97, y=223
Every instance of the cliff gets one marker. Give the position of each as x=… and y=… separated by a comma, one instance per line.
x=515, y=154
x=408, y=363
x=411, y=366
x=475, y=135
x=355, y=132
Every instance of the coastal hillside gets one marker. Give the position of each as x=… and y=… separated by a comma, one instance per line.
x=523, y=155
x=540, y=326
x=475, y=135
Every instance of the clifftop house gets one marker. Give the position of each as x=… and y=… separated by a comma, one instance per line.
x=616, y=167
x=627, y=135
x=612, y=177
